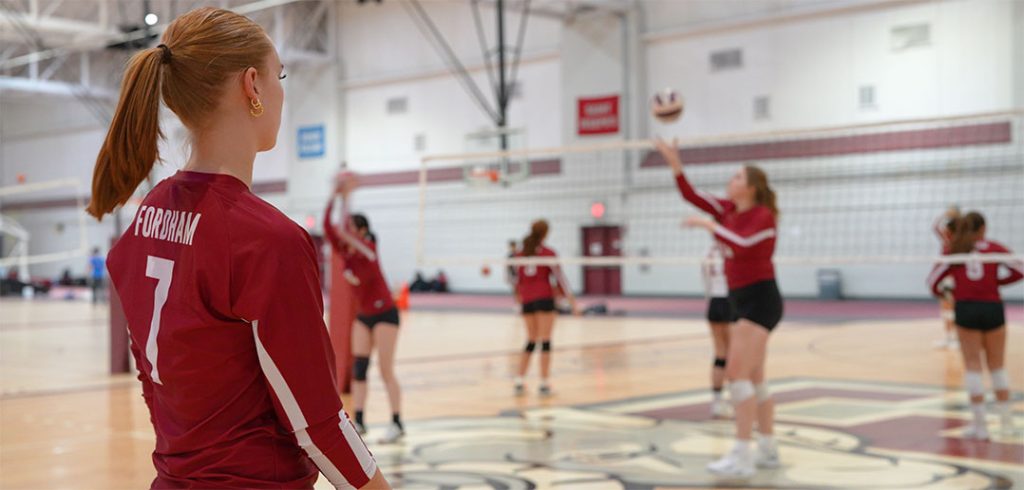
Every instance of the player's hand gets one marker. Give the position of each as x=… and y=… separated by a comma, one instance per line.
x=670, y=152
x=346, y=182
x=698, y=222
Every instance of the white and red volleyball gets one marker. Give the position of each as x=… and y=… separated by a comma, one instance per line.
x=667, y=105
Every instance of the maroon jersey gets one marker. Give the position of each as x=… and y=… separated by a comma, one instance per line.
x=747, y=238
x=533, y=282
x=225, y=313
x=976, y=280
x=362, y=266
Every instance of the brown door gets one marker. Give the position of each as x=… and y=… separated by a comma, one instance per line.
x=602, y=241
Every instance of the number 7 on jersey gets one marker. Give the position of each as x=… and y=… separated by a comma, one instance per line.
x=162, y=270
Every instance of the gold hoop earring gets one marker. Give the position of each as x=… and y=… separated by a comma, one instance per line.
x=257, y=108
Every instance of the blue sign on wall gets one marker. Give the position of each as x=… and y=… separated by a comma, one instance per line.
x=311, y=141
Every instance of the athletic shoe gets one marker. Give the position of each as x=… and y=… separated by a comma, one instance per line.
x=360, y=428
x=721, y=409
x=519, y=389
x=977, y=432
x=393, y=435
x=544, y=390
x=736, y=464
x=767, y=455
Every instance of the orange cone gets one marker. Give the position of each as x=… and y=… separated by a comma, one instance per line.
x=402, y=301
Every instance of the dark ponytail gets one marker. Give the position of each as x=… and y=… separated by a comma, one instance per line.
x=538, y=231
x=130, y=149
x=966, y=232
x=763, y=193
x=361, y=222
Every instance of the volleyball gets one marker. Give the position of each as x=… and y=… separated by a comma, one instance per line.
x=667, y=106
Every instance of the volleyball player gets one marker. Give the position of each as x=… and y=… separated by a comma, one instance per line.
x=720, y=315
x=221, y=290
x=744, y=225
x=377, y=317
x=943, y=228
x=537, y=296
x=980, y=316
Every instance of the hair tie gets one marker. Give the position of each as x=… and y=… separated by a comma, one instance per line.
x=166, y=56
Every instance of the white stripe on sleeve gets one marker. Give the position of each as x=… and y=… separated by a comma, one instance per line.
x=745, y=242
x=355, y=442
x=708, y=198
x=933, y=278
x=295, y=417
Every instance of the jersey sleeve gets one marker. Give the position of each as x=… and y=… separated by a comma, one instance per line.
x=1015, y=267
x=710, y=204
x=147, y=383
x=330, y=231
x=763, y=228
x=556, y=270
x=275, y=286
x=939, y=272
x=346, y=236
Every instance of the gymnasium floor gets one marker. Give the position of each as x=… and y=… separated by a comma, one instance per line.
x=864, y=401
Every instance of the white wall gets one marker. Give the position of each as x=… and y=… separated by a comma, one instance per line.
x=812, y=69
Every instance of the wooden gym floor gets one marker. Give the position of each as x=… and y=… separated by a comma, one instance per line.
x=864, y=401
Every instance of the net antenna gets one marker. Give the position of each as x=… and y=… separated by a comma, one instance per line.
x=14, y=199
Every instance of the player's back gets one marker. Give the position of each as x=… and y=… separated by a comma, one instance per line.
x=976, y=280
x=534, y=281
x=180, y=269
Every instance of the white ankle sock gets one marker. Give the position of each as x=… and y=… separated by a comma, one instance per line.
x=978, y=410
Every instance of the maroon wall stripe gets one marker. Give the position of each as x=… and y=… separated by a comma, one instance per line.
x=916, y=139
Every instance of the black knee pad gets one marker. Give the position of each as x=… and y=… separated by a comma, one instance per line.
x=530, y=346
x=719, y=362
x=360, y=367
x=545, y=346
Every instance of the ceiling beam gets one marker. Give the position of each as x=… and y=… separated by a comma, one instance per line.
x=107, y=36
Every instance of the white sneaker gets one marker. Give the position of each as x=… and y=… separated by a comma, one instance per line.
x=544, y=390
x=977, y=432
x=393, y=435
x=767, y=456
x=735, y=464
x=721, y=409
